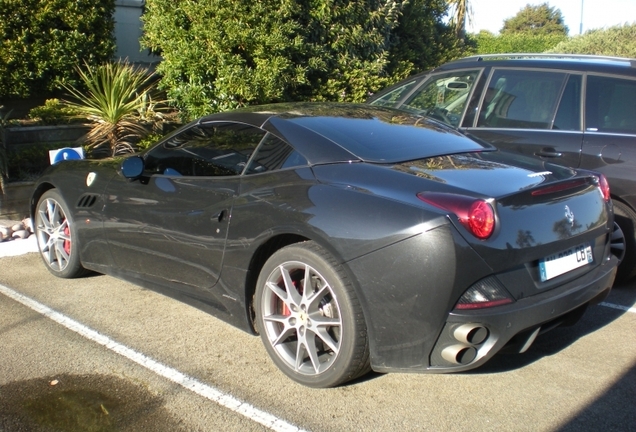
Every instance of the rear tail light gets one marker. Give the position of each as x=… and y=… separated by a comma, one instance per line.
x=484, y=294
x=476, y=215
x=603, y=185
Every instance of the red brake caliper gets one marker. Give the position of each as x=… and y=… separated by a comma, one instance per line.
x=286, y=311
x=67, y=243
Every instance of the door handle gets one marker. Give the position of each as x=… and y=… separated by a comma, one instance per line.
x=220, y=216
x=549, y=153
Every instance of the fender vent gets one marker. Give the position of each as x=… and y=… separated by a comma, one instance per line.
x=87, y=201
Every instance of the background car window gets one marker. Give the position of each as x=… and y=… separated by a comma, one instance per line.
x=568, y=116
x=274, y=154
x=214, y=149
x=610, y=105
x=443, y=97
x=391, y=98
x=521, y=99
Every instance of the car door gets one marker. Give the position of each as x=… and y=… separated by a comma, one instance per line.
x=532, y=112
x=172, y=224
x=610, y=132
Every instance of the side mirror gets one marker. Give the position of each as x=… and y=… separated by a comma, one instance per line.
x=133, y=167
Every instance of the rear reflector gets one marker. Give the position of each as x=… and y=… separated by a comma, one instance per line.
x=486, y=293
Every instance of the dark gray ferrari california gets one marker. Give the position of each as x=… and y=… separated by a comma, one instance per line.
x=350, y=237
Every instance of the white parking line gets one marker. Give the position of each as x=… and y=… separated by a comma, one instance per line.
x=228, y=401
x=619, y=307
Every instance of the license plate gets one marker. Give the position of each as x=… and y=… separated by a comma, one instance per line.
x=565, y=261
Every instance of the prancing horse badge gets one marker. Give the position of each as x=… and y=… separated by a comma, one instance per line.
x=90, y=178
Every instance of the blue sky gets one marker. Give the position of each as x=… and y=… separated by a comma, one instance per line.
x=490, y=14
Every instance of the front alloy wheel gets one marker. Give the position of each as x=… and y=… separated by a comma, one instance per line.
x=56, y=238
x=309, y=319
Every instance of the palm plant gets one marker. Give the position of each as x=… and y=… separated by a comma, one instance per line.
x=460, y=11
x=116, y=101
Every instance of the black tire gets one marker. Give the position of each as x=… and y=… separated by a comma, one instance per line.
x=624, y=248
x=57, y=236
x=329, y=322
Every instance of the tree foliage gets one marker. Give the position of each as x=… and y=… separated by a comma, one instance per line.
x=619, y=41
x=539, y=20
x=42, y=40
x=219, y=55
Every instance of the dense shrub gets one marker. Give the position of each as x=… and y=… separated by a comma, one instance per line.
x=43, y=40
x=488, y=43
x=219, y=55
x=617, y=41
x=53, y=112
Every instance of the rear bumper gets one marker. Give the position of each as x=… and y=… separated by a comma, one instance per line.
x=470, y=338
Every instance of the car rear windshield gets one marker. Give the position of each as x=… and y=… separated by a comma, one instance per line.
x=390, y=139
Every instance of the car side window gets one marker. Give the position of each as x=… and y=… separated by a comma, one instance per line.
x=610, y=105
x=521, y=99
x=443, y=97
x=204, y=150
x=273, y=154
x=568, y=116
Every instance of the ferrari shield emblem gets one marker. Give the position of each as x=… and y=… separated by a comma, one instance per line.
x=90, y=178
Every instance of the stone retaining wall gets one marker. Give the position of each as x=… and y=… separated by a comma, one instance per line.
x=14, y=203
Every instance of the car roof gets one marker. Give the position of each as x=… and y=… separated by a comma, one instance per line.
x=335, y=132
x=584, y=63
x=578, y=62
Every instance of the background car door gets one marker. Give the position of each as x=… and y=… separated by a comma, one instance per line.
x=173, y=223
x=610, y=132
x=532, y=112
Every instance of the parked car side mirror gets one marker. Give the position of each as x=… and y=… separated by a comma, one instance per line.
x=133, y=167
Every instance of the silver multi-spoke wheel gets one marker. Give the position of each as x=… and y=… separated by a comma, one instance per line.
x=309, y=317
x=302, y=318
x=55, y=234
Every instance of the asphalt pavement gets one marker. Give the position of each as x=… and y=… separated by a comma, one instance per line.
x=100, y=354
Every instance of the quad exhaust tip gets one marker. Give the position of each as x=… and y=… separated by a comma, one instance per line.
x=472, y=334
x=459, y=354
x=468, y=336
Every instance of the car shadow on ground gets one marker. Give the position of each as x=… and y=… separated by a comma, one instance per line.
x=615, y=407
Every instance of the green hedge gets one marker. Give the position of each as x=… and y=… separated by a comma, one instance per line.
x=221, y=54
x=488, y=43
x=617, y=41
x=43, y=40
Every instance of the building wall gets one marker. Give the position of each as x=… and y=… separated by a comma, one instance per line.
x=128, y=30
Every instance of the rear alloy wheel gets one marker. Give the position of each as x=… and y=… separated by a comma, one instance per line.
x=57, y=239
x=309, y=317
x=623, y=241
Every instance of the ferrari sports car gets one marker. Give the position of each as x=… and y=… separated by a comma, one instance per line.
x=350, y=237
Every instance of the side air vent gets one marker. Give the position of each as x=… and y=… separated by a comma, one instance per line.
x=87, y=201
